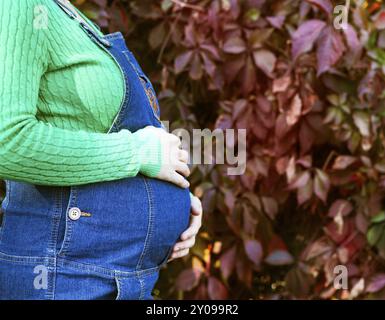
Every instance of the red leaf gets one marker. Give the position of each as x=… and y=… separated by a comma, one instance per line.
x=228, y=261
x=380, y=20
x=244, y=271
x=305, y=36
x=321, y=185
x=338, y=234
x=249, y=77
x=330, y=49
x=352, y=40
x=281, y=84
x=210, y=66
x=201, y=292
x=216, y=289
x=190, y=35
x=294, y=111
x=211, y=49
x=377, y=283
x=224, y=122
x=317, y=248
x=182, y=61
x=324, y=5
x=305, y=161
x=264, y=104
x=362, y=122
x=307, y=137
x=348, y=249
x=276, y=22
x=271, y=207
x=254, y=251
x=265, y=60
x=196, y=70
x=305, y=193
x=276, y=243
x=343, y=162
x=234, y=46
x=188, y=279
x=340, y=207
x=281, y=127
x=233, y=67
x=300, y=180
x=239, y=108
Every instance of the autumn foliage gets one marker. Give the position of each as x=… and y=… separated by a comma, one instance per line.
x=311, y=98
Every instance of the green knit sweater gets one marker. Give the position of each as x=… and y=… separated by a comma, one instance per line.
x=59, y=94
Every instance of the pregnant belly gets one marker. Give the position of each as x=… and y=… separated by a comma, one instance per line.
x=128, y=225
x=134, y=222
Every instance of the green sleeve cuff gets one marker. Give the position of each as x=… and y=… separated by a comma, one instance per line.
x=149, y=151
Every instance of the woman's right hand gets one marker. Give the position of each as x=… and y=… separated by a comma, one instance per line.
x=161, y=156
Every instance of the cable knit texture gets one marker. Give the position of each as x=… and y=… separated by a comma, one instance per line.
x=59, y=94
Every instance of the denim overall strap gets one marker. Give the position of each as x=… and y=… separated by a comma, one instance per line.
x=140, y=107
x=139, y=94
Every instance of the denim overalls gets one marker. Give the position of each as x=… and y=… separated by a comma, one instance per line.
x=100, y=241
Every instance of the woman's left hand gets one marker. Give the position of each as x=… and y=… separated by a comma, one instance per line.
x=183, y=247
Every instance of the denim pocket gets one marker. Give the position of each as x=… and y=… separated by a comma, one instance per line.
x=138, y=287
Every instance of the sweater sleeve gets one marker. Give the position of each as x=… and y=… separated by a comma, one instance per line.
x=34, y=151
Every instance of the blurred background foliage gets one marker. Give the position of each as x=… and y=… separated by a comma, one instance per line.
x=312, y=99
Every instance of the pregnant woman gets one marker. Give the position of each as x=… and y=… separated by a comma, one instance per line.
x=96, y=196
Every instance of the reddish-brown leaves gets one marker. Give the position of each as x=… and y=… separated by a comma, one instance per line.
x=188, y=279
x=234, y=45
x=228, y=262
x=281, y=84
x=321, y=185
x=254, y=251
x=343, y=162
x=376, y=283
x=311, y=99
x=265, y=60
x=324, y=5
x=294, y=111
x=182, y=61
x=305, y=36
x=330, y=49
x=216, y=290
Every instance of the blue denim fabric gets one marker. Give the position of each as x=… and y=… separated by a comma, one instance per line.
x=124, y=235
